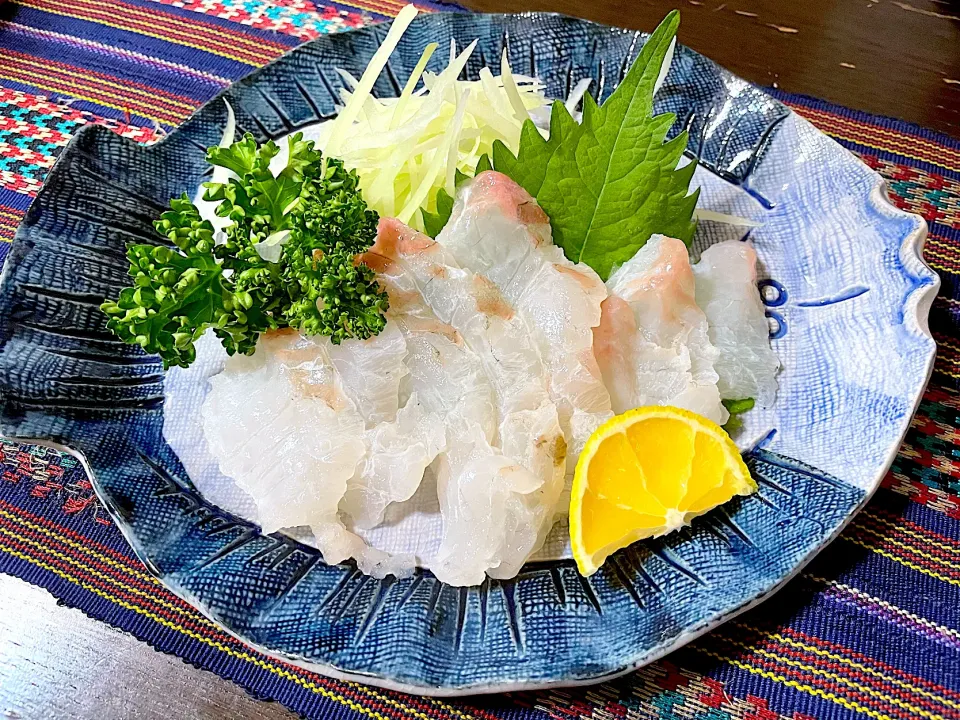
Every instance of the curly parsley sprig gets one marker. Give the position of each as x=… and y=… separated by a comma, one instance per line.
x=288, y=258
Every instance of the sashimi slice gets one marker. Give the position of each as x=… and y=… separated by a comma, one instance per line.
x=473, y=305
x=398, y=454
x=473, y=476
x=371, y=371
x=476, y=477
x=498, y=230
x=446, y=374
x=480, y=492
x=291, y=430
x=280, y=424
x=726, y=281
x=653, y=344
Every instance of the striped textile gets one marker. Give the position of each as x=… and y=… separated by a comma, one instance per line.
x=870, y=629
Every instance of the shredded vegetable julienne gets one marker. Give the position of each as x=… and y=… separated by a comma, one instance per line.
x=406, y=149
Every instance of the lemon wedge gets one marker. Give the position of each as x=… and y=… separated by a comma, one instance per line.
x=648, y=472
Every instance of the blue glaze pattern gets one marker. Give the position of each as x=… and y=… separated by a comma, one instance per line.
x=64, y=379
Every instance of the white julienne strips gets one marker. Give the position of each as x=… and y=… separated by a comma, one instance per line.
x=367, y=80
x=513, y=94
x=412, y=81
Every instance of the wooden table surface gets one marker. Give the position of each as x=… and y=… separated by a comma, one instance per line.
x=890, y=57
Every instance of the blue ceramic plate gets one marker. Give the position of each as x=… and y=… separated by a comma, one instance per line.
x=846, y=289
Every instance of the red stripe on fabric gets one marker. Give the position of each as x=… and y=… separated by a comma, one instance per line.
x=425, y=705
x=901, y=523
x=898, y=142
x=189, y=622
x=49, y=524
x=909, y=552
x=186, y=618
x=821, y=683
x=170, y=100
x=868, y=660
x=255, y=51
x=119, y=573
x=116, y=100
x=877, y=683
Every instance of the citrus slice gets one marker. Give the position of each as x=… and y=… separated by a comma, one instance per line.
x=646, y=473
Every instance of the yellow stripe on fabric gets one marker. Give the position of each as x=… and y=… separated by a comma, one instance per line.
x=940, y=266
x=933, y=240
x=859, y=140
x=890, y=699
x=782, y=679
x=865, y=668
x=946, y=344
x=251, y=62
x=853, y=663
x=135, y=572
x=126, y=587
x=943, y=251
x=857, y=128
x=58, y=86
x=902, y=561
x=913, y=533
x=178, y=27
x=178, y=68
x=195, y=616
x=98, y=81
x=906, y=546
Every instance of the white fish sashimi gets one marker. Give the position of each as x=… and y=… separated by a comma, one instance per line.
x=371, y=371
x=445, y=373
x=398, y=454
x=726, y=280
x=498, y=230
x=488, y=520
x=280, y=424
x=473, y=305
x=480, y=492
x=288, y=429
x=401, y=441
x=474, y=478
x=489, y=503
x=653, y=343
x=334, y=540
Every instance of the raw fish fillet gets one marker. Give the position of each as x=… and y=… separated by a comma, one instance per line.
x=488, y=528
x=653, y=342
x=496, y=504
x=498, y=230
x=371, y=371
x=295, y=433
x=444, y=371
x=476, y=482
x=726, y=279
x=398, y=453
x=280, y=424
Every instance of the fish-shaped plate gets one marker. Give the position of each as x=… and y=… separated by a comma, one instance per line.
x=847, y=295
